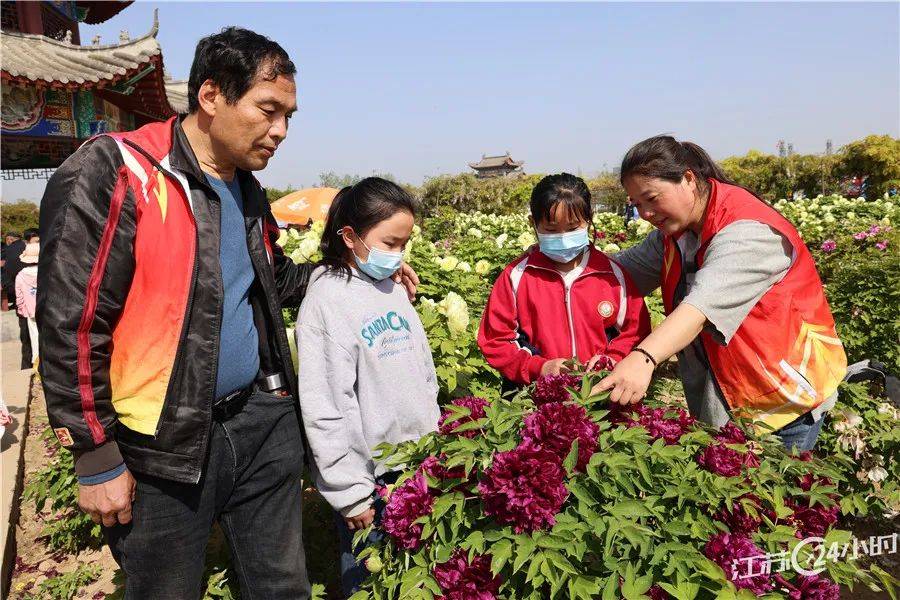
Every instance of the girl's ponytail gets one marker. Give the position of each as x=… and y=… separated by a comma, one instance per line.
x=332, y=244
x=705, y=166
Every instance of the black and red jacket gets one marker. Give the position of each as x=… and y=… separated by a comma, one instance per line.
x=130, y=296
x=532, y=316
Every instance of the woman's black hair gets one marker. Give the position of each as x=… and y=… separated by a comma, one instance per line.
x=563, y=188
x=360, y=207
x=664, y=157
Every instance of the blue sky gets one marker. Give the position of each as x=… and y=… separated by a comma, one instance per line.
x=422, y=89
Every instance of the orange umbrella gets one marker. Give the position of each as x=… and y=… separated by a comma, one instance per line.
x=303, y=206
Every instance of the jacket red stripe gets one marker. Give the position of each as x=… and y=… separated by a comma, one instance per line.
x=90, y=305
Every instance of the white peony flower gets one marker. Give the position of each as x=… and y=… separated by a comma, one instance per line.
x=457, y=312
x=464, y=267
x=474, y=232
x=482, y=267
x=501, y=239
x=526, y=239
x=847, y=420
x=448, y=263
x=611, y=248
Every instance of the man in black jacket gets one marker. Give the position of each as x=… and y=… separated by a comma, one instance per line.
x=165, y=362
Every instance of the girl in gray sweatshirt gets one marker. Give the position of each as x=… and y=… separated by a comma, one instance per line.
x=366, y=374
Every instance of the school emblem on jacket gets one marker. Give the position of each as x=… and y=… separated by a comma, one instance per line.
x=605, y=309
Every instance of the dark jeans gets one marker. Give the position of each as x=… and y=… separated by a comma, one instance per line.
x=251, y=485
x=25, y=339
x=801, y=433
x=353, y=572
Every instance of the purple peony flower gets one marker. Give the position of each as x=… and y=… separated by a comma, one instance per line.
x=432, y=466
x=731, y=434
x=806, y=482
x=626, y=414
x=657, y=593
x=461, y=580
x=812, y=521
x=554, y=426
x=739, y=521
x=661, y=427
x=860, y=236
x=882, y=245
x=524, y=488
x=731, y=551
x=552, y=388
x=722, y=460
x=874, y=230
x=829, y=246
x=475, y=404
x=818, y=587
x=407, y=503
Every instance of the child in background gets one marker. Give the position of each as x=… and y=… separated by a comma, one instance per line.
x=567, y=300
x=366, y=373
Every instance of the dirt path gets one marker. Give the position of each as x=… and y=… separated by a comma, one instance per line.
x=35, y=562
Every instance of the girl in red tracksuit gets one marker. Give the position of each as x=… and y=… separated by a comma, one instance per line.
x=566, y=300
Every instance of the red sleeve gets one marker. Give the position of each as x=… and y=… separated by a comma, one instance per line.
x=636, y=325
x=498, y=334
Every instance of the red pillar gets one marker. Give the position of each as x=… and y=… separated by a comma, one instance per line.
x=30, y=20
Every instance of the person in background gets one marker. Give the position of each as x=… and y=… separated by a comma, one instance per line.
x=566, y=300
x=26, y=292
x=746, y=312
x=366, y=372
x=12, y=264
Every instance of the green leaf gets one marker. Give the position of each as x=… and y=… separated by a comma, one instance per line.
x=500, y=553
x=571, y=458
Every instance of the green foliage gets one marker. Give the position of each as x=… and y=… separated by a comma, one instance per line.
x=334, y=180
x=772, y=177
x=54, y=491
x=18, y=216
x=877, y=156
x=273, y=194
x=66, y=585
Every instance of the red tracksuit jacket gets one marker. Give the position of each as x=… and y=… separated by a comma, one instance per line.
x=531, y=317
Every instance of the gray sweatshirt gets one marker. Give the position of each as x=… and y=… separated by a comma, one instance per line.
x=366, y=376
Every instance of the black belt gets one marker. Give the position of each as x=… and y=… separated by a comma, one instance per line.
x=230, y=405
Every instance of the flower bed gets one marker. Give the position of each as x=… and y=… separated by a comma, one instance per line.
x=632, y=502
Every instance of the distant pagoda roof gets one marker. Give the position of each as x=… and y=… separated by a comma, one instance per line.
x=494, y=162
x=133, y=69
x=97, y=11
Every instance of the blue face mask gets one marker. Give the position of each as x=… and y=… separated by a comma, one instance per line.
x=563, y=247
x=380, y=264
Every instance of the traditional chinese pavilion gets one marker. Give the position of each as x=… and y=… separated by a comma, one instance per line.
x=496, y=166
x=57, y=92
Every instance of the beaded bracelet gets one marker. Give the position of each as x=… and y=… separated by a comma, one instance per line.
x=649, y=356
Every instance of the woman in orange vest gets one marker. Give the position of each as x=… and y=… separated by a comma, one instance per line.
x=745, y=308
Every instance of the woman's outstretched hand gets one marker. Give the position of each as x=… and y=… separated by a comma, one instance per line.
x=628, y=381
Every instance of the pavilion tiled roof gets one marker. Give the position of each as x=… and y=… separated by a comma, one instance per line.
x=492, y=162
x=42, y=62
